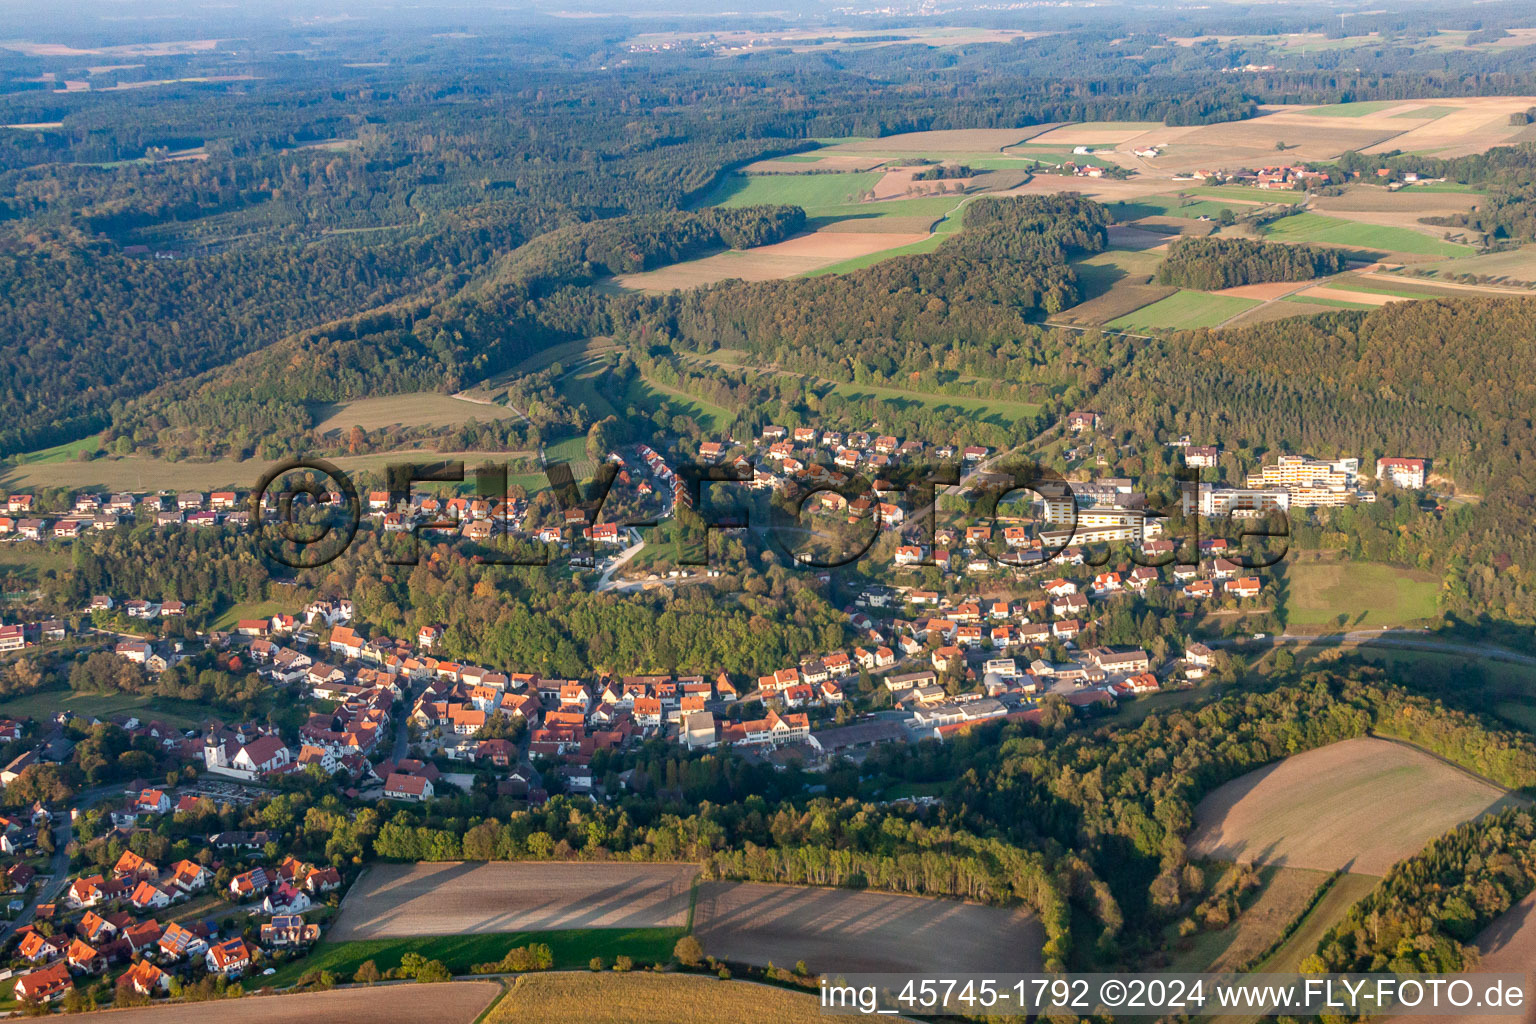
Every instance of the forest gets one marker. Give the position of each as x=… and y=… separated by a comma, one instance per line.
x=1211, y=264
x=1445, y=379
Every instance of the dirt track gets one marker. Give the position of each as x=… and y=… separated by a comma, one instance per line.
x=840, y=930
x=456, y=898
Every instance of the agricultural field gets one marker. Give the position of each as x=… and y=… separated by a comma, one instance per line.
x=1118, y=303
x=637, y=998
x=1356, y=595
x=1313, y=227
x=809, y=191
x=1184, y=310
x=1360, y=804
x=1516, y=266
x=1289, y=307
x=1345, y=892
x=963, y=140
x=459, y=1002
x=816, y=251
x=40, y=705
x=396, y=900
x=572, y=949
x=1282, y=895
x=249, y=610
x=420, y=409
x=838, y=930
x=999, y=410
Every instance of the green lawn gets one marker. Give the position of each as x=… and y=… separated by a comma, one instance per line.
x=1183, y=311
x=572, y=948
x=811, y=192
x=250, y=610
x=65, y=451
x=1312, y=227
x=1364, y=594
x=1352, y=109
x=980, y=408
x=1428, y=113
x=180, y=714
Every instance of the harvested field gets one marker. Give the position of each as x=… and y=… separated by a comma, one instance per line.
x=1253, y=142
x=1350, y=295
x=1120, y=300
x=1476, y=124
x=648, y=999
x=794, y=256
x=420, y=409
x=459, y=898
x=1105, y=190
x=1127, y=236
x=458, y=1002
x=1410, y=203
x=898, y=183
x=839, y=930
x=1361, y=804
x=1104, y=133
x=1265, y=292
x=962, y=140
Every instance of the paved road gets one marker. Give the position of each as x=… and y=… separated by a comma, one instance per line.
x=58, y=865
x=1410, y=640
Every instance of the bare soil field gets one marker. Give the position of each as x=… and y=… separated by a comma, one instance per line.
x=840, y=930
x=1252, y=142
x=789, y=258
x=916, y=224
x=1129, y=236
x=458, y=1002
x=960, y=140
x=641, y=998
x=1350, y=295
x=1105, y=133
x=1117, y=302
x=1360, y=804
x=898, y=182
x=1105, y=190
x=1268, y=290
x=421, y=409
x=1508, y=946
x=457, y=898
x=1370, y=199
x=1478, y=123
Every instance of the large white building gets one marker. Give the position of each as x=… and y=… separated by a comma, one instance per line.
x=1241, y=502
x=1406, y=473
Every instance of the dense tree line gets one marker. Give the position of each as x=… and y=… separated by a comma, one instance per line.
x=1423, y=916
x=1214, y=263
x=1445, y=380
